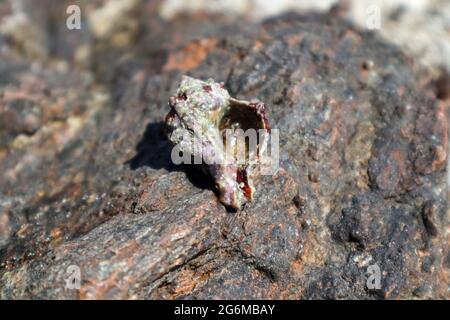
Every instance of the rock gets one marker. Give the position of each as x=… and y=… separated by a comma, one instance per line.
x=362, y=181
x=420, y=28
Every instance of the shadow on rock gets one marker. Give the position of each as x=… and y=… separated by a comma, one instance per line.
x=154, y=150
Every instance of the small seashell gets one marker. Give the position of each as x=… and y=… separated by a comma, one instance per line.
x=227, y=135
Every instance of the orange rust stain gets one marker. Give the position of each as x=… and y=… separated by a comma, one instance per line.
x=383, y=179
x=127, y=250
x=401, y=91
x=56, y=233
x=442, y=131
x=191, y=55
x=400, y=160
x=185, y=283
x=99, y=289
x=351, y=34
x=335, y=165
x=297, y=267
x=440, y=158
x=294, y=40
x=5, y=227
x=312, y=255
x=443, y=278
x=335, y=134
x=257, y=46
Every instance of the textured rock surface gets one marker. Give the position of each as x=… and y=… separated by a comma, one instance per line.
x=87, y=178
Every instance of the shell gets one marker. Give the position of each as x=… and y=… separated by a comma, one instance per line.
x=203, y=122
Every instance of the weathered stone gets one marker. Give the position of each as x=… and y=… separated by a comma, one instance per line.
x=87, y=178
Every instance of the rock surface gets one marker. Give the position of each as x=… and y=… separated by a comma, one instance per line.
x=87, y=178
x=420, y=27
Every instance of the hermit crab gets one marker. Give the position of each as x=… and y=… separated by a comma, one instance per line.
x=225, y=136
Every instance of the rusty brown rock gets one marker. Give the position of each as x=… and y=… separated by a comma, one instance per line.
x=362, y=179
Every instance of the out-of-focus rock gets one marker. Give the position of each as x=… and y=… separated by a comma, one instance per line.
x=421, y=27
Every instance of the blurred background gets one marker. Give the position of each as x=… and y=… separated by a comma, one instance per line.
x=422, y=27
